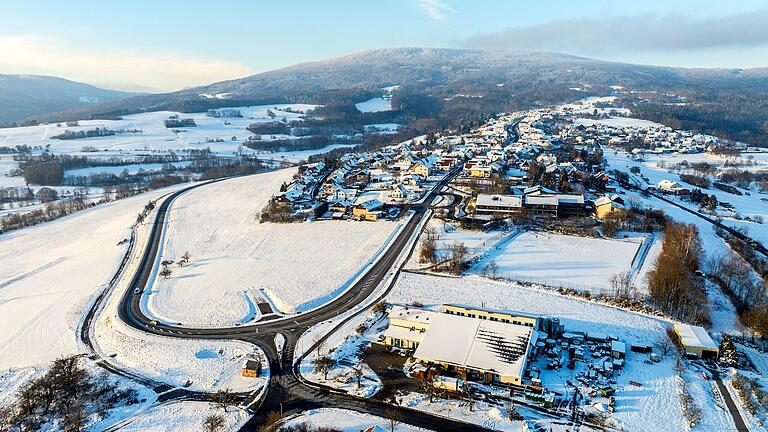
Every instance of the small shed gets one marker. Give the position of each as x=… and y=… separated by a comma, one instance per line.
x=251, y=368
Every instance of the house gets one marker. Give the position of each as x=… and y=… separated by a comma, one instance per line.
x=369, y=210
x=398, y=191
x=421, y=168
x=251, y=368
x=608, y=204
x=480, y=171
x=409, y=180
x=696, y=342
x=494, y=204
x=672, y=187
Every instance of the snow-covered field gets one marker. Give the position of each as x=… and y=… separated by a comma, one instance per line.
x=155, y=136
x=238, y=262
x=632, y=403
x=347, y=421
x=378, y=104
x=50, y=271
x=560, y=260
x=183, y=416
x=154, y=139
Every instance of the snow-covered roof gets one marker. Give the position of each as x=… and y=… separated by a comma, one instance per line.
x=499, y=200
x=695, y=336
x=476, y=344
x=410, y=314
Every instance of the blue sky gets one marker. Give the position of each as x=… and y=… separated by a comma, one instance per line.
x=167, y=45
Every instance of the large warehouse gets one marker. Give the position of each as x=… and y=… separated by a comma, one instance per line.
x=696, y=341
x=476, y=349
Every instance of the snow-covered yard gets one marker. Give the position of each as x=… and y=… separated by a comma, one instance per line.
x=447, y=234
x=582, y=263
x=344, y=346
x=237, y=262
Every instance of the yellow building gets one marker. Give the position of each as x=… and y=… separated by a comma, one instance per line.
x=369, y=210
x=605, y=206
x=696, y=341
x=480, y=171
x=407, y=327
x=420, y=169
x=251, y=368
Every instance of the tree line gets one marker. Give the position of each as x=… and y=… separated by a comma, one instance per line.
x=673, y=284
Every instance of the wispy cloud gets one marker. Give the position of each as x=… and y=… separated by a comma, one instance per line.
x=671, y=32
x=435, y=9
x=114, y=69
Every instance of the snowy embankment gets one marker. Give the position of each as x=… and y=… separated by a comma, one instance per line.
x=196, y=364
x=50, y=273
x=237, y=262
x=182, y=416
x=577, y=315
x=346, y=421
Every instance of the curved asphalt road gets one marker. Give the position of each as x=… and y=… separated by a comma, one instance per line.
x=287, y=391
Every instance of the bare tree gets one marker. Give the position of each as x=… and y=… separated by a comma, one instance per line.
x=359, y=374
x=214, y=423
x=428, y=253
x=319, y=342
x=394, y=418
x=324, y=365
x=665, y=344
x=224, y=399
x=621, y=285
x=458, y=258
x=493, y=269
x=185, y=258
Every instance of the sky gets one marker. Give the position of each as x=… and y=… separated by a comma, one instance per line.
x=153, y=46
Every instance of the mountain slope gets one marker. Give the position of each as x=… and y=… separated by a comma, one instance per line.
x=433, y=67
x=26, y=96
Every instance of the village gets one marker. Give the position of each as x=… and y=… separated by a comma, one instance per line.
x=535, y=182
